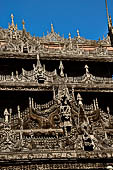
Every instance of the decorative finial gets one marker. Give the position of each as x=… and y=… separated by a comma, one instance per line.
x=12, y=17
x=108, y=110
x=87, y=69
x=23, y=23
x=69, y=36
x=96, y=102
x=52, y=29
x=12, y=27
x=78, y=34
x=61, y=67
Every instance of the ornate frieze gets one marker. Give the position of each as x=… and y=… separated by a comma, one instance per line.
x=63, y=125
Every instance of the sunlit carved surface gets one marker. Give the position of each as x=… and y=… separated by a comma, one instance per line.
x=48, y=119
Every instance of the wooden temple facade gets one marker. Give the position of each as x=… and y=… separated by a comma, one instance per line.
x=56, y=101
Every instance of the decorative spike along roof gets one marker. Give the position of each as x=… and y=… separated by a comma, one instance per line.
x=20, y=41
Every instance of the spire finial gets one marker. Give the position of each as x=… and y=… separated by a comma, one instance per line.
x=107, y=12
x=52, y=29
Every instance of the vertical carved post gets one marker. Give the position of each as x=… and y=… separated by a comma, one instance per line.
x=73, y=93
x=54, y=96
x=55, y=72
x=106, y=137
x=18, y=109
x=21, y=128
x=32, y=103
x=17, y=74
x=96, y=104
x=44, y=68
x=12, y=76
x=108, y=110
x=66, y=78
x=23, y=72
x=10, y=111
x=6, y=114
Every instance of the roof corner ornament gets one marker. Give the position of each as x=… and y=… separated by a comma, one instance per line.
x=61, y=67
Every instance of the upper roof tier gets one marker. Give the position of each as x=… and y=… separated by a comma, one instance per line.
x=18, y=42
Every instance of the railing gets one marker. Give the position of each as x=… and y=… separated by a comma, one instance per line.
x=53, y=79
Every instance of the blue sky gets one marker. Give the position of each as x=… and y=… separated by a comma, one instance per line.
x=89, y=16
